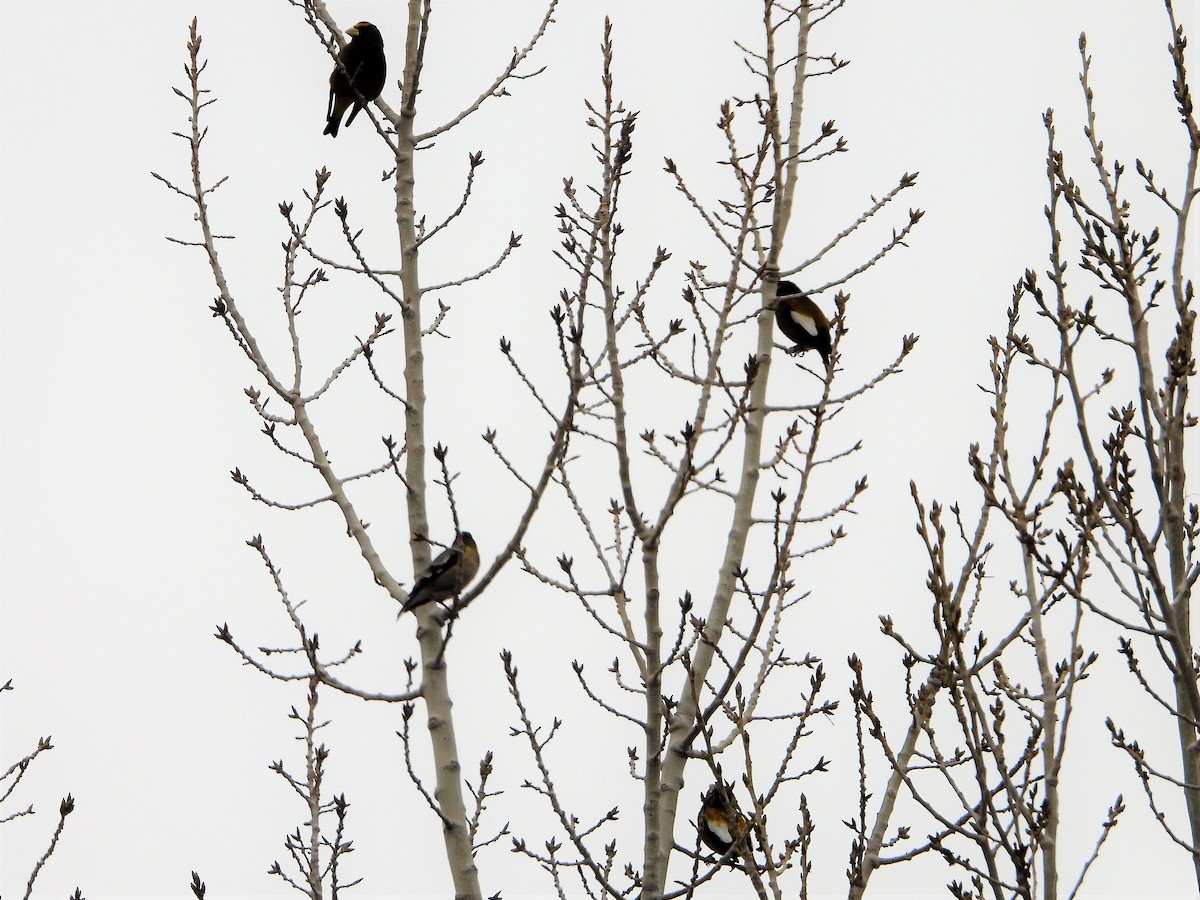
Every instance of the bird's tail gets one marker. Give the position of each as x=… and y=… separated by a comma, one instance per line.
x=337, y=109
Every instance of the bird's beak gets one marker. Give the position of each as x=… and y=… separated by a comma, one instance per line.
x=352, y=31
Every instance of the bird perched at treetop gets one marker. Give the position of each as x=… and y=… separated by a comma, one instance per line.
x=802, y=321
x=447, y=575
x=721, y=826
x=358, y=76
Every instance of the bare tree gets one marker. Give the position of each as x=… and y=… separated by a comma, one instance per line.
x=295, y=432
x=1095, y=519
x=10, y=781
x=1142, y=531
x=708, y=673
x=751, y=454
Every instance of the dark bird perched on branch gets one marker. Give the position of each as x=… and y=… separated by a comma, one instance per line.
x=802, y=321
x=721, y=826
x=358, y=76
x=447, y=575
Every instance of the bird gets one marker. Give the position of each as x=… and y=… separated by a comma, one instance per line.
x=802, y=321
x=721, y=826
x=358, y=77
x=447, y=575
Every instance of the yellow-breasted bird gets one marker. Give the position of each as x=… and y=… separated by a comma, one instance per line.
x=802, y=321
x=721, y=826
x=359, y=75
x=447, y=575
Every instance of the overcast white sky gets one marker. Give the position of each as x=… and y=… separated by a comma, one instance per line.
x=122, y=407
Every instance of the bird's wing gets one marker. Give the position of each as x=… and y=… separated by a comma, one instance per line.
x=353, y=69
x=445, y=561
x=804, y=320
x=720, y=828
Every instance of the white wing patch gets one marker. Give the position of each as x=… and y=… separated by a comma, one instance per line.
x=807, y=322
x=721, y=832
